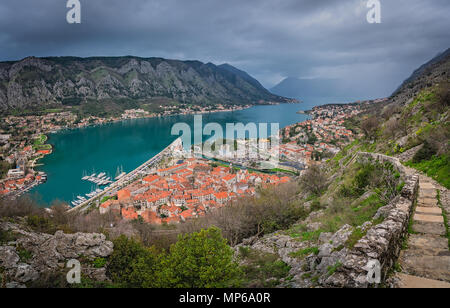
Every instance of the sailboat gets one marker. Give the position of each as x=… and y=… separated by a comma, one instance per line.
x=119, y=173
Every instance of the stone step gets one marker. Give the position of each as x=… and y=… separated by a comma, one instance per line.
x=429, y=228
x=429, y=218
x=428, y=244
x=409, y=281
x=429, y=210
x=427, y=193
x=426, y=185
x=432, y=267
x=427, y=202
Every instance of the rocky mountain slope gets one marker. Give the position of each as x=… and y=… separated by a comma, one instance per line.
x=435, y=71
x=29, y=258
x=40, y=82
x=413, y=123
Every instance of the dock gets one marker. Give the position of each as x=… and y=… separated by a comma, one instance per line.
x=132, y=176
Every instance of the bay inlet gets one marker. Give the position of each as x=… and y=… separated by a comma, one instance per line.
x=129, y=143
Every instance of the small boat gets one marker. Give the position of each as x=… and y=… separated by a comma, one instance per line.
x=91, y=194
x=120, y=176
x=74, y=203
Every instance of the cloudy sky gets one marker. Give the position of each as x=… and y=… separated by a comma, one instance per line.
x=270, y=39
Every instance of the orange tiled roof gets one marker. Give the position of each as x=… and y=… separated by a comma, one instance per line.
x=129, y=213
x=123, y=194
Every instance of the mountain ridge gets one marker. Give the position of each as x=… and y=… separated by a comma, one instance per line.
x=433, y=71
x=40, y=82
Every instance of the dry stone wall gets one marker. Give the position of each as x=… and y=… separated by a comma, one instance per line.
x=380, y=247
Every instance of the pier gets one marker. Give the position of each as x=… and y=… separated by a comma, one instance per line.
x=131, y=176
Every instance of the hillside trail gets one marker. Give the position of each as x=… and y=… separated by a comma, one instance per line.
x=425, y=260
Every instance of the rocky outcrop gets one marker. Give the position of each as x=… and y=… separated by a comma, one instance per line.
x=37, y=82
x=28, y=257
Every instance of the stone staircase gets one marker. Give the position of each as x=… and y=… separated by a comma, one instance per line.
x=425, y=263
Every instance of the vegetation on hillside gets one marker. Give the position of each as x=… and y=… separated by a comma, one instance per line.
x=201, y=254
x=421, y=125
x=197, y=260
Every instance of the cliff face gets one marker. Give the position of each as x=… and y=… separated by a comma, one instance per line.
x=37, y=82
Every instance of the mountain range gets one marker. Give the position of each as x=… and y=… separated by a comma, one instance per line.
x=34, y=83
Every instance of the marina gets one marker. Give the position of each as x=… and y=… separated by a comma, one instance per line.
x=144, y=169
x=100, y=180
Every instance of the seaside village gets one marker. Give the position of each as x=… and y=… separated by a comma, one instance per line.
x=302, y=144
x=20, y=176
x=187, y=189
x=315, y=140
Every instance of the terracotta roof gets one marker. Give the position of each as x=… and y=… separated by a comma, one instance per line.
x=123, y=194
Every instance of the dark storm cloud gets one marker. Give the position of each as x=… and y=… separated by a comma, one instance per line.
x=267, y=38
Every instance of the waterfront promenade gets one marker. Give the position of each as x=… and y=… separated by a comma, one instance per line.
x=131, y=176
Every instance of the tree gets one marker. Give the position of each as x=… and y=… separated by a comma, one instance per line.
x=126, y=253
x=314, y=180
x=391, y=128
x=201, y=260
x=425, y=153
x=146, y=270
x=369, y=127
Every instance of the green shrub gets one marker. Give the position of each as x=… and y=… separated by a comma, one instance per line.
x=41, y=224
x=425, y=153
x=24, y=254
x=126, y=253
x=99, y=262
x=263, y=269
x=201, y=260
x=6, y=236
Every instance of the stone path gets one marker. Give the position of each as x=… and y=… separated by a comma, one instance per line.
x=425, y=262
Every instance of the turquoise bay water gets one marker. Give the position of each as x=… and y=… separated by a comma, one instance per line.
x=129, y=143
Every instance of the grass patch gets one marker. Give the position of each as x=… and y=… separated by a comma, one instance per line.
x=283, y=171
x=444, y=214
x=411, y=221
x=340, y=213
x=356, y=235
x=300, y=254
x=438, y=168
x=332, y=269
x=299, y=232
